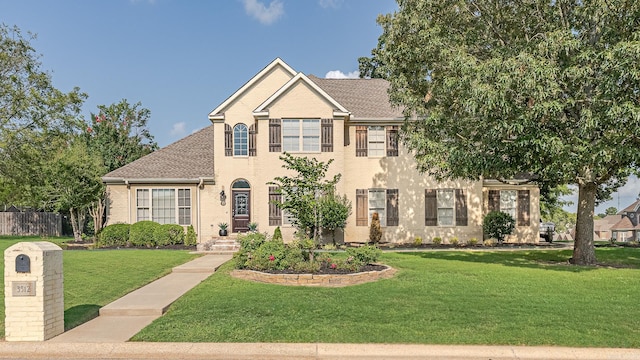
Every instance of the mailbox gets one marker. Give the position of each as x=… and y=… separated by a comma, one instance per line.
x=23, y=264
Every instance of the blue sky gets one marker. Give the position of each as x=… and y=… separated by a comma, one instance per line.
x=183, y=58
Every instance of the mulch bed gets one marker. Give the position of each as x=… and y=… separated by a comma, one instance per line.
x=89, y=245
x=326, y=270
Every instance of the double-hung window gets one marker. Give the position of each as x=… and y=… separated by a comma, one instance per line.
x=446, y=201
x=376, y=138
x=164, y=206
x=301, y=135
x=377, y=203
x=508, y=202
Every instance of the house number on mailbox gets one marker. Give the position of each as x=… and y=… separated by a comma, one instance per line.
x=23, y=264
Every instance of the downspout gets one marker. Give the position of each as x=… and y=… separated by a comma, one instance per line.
x=126, y=182
x=200, y=185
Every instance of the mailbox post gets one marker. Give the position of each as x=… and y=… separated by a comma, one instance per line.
x=33, y=291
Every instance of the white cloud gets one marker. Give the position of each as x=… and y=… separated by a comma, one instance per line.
x=266, y=15
x=178, y=129
x=330, y=3
x=337, y=74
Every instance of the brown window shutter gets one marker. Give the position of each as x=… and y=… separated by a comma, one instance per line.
x=362, y=215
x=393, y=216
x=253, y=130
x=327, y=135
x=275, y=137
x=361, y=141
x=228, y=140
x=461, y=208
x=494, y=200
x=523, y=208
x=430, y=207
x=275, y=214
x=392, y=140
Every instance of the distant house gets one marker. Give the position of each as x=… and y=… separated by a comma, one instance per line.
x=628, y=227
x=602, y=227
x=220, y=173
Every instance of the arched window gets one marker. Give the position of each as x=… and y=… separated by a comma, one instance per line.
x=240, y=140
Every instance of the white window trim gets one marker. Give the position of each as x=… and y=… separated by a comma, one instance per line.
x=383, y=142
x=515, y=203
x=177, y=207
x=233, y=142
x=301, y=135
x=382, y=212
x=453, y=208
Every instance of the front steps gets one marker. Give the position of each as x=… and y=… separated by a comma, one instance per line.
x=220, y=245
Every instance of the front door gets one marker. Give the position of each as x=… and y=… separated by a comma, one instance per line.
x=241, y=211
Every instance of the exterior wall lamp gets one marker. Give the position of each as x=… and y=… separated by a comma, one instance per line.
x=223, y=197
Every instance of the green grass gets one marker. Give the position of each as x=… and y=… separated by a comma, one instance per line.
x=515, y=298
x=94, y=278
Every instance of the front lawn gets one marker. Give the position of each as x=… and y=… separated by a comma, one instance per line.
x=94, y=278
x=483, y=297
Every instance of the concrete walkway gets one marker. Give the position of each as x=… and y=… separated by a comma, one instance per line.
x=125, y=317
x=230, y=351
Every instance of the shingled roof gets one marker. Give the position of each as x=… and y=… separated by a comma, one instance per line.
x=190, y=158
x=364, y=98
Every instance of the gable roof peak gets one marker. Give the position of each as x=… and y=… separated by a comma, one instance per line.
x=277, y=62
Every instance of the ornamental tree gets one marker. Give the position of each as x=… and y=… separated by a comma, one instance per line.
x=302, y=192
x=547, y=88
x=118, y=134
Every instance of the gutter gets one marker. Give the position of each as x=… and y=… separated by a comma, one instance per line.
x=198, y=180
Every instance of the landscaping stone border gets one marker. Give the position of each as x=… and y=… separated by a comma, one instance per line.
x=321, y=280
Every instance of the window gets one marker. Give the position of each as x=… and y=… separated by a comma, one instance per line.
x=376, y=141
x=516, y=203
x=376, y=138
x=240, y=140
x=184, y=206
x=445, y=207
x=445, y=201
x=142, y=204
x=377, y=203
x=165, y=206
x=382, y=201
x=301, y=135
x=508, y=202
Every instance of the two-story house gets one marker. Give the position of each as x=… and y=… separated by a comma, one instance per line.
x=220, y=173
x=627, y=228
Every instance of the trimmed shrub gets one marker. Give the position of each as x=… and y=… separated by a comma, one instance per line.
x=365, y=254
x=375, y=233
x=114, y=235
x=437, y=240
x=143, y=233
x=176, y=233
x=498, y=224
x=277, y=234
x=454, y=241
x=472, y=242
x=191, y=239
x=417, y=241
x=161, y=235
x=249, y=243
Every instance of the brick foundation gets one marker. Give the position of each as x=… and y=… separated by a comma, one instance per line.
x=323, y=280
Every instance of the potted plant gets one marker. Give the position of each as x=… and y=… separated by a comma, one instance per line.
x=223, y=229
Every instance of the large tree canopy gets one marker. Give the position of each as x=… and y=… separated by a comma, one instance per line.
x=33, y=116
x=499, y=88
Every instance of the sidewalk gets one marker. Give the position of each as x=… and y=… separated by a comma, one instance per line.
x=125, y=317
x=49, y=350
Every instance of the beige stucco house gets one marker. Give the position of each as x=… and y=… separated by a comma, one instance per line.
x=220, y=173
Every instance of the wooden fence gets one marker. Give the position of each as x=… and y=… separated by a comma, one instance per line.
x=30, y=223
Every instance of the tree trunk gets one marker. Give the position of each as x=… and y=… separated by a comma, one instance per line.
x=583, y=250
x=77, y=233
x=97, y=213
